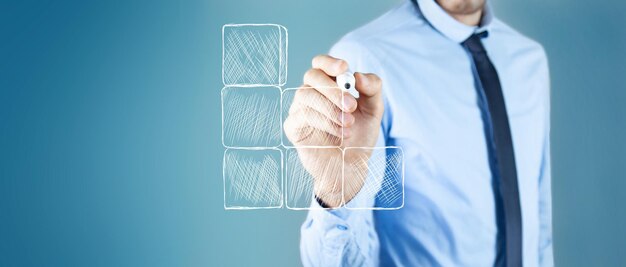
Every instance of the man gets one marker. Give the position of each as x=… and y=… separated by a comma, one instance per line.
x=467, y=98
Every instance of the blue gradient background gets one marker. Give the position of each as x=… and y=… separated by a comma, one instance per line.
x=110, y=147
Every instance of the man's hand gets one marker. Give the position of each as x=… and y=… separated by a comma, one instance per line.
x=317, y=116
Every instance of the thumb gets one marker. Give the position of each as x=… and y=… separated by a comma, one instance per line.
x=370, y=90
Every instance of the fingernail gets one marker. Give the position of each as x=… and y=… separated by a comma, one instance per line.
x=348, y=103
x=346, y=132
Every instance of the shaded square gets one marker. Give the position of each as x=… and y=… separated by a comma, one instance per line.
x=381, y=172
x=251, y=117
x=254, y=54
x=300, y=183
x=252, y=178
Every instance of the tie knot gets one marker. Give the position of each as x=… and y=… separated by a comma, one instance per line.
x=473, y=43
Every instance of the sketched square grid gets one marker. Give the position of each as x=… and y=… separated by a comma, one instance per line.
x=254, y=54
x=311, y=97
x=253, y=179
x=255, y=173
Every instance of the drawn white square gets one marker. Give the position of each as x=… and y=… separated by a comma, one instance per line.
x=300, y=184
x=251, y=117
x=381, y=171
x=254, y=54
x=252, y=178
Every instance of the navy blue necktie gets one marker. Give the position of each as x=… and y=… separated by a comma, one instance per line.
x=507, y=193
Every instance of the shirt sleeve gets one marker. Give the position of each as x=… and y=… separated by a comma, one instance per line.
x=343, y=237
x=340, y=237
x=546, y=257
x=545, y=212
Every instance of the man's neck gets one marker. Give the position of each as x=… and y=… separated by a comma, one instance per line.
x=472, y=19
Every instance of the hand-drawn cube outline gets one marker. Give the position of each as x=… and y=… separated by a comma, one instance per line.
x=288, y=180
x=402, y=161
x=283, y=36
x=280, y=127
x=280, y=173
x=282, y=77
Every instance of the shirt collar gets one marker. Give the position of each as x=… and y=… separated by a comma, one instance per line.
x=450, y=27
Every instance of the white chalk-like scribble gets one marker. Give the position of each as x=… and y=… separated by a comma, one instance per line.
x=317, y=163
x=381, y=171
x=254, y=54
x=251, y=117
x=252, y=178
x=311, y=129
x=308, y=169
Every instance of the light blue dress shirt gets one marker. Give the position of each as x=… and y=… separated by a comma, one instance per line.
x=433, y=111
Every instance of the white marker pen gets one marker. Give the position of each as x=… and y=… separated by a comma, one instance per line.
x=346, y=81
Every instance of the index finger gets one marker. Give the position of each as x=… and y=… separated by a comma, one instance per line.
x=317, y=79
x=330, y=65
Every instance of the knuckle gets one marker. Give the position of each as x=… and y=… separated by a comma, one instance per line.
x=315, y=100
x=287, y=125
x=290, y=129
x=304, y=92
x=317, y=59
x=329, y=107
x=297, y=96
x=309, y=75
x=289, y=132
x=293, y=109
x=342, y=63
x=300, y=97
